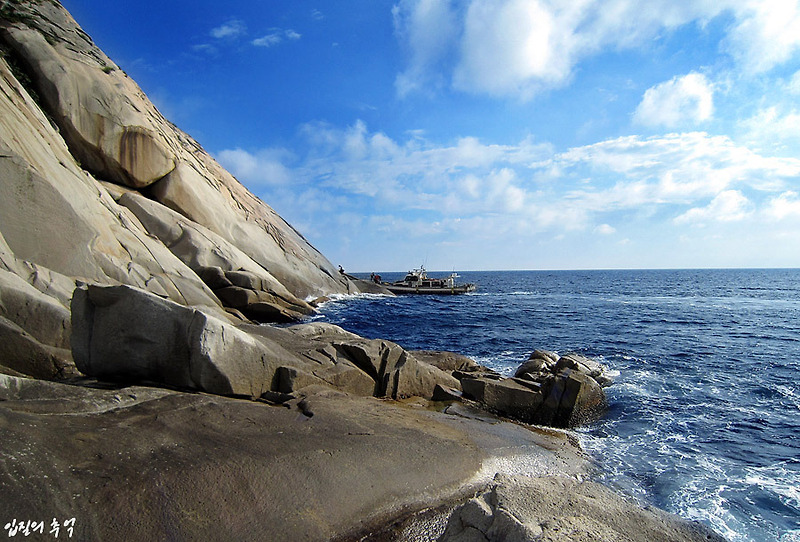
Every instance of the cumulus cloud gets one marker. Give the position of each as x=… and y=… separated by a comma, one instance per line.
x=686, y=99
x=427, y=29
x=727, y=206
x=516, y=48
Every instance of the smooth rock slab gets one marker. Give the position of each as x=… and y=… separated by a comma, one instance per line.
x=123, y=333
x=560, y=508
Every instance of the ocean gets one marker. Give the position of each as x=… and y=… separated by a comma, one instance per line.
x=704, y=414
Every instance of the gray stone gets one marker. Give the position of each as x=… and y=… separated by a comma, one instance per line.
x=124, y=333
x=24, y=354
x=442, y=393
x=213, y=276
x=245, y=279
x=555, y=508
x=579, y=363
x=446, y=361
x=532, y=366
x=37, y=313
x=571, y=398
x=506, y=397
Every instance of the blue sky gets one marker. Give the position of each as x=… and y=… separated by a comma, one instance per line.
x=491, y=134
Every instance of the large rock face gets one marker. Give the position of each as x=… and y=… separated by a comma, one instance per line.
x=126, y=334
x=117, y=134
x=98, y=187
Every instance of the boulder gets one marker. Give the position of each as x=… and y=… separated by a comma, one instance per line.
x=342, y=375
x=538, y=362
x=113, y=130
x=397, y=373
x=40, y=315
x=211, y=197
x=54, y=285
x=208, y=255
x=446, y=361
x=443, y=393
x=579, y=363
x=24, y=354
x=44, y=188
x=545, y=390
x=570, y=398
x=122, y=333
x=506, y=397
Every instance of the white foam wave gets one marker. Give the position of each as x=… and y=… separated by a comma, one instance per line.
x=335, y=298
x=779, y=480
x=699, y=501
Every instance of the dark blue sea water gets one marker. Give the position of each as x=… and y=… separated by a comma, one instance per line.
x=704, y=417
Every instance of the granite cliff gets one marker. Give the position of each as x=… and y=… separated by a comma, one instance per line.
x=137, y=395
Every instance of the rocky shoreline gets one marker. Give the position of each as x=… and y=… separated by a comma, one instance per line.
x=141, y=399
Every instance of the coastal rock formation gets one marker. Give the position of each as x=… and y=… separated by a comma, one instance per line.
x=126, y=334
x=547, y=390
x=131, y=266
x=107, y=169
x=551, y=509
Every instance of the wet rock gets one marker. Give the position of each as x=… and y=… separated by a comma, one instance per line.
x=545, y=390
x=579, y=363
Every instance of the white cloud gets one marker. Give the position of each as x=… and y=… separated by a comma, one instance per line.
x=275, y=37
x=231, y=29
x=263, y=168
x=517, y=48
x=783, y=206
x=727, y=206
x=605, y=229
x=794, y=83
x=682, y=99
x=518, y=190
x=428, y=29
x=765, y=34
x=769, y=127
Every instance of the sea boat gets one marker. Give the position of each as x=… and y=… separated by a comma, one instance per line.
x=417, y=281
